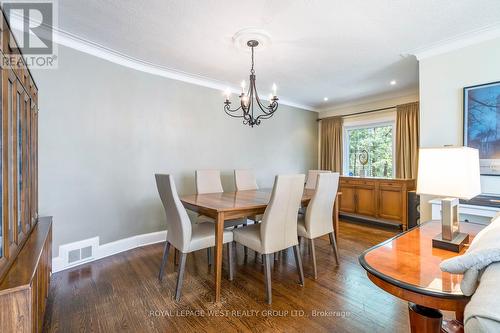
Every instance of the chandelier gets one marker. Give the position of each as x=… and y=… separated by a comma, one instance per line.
x=250, y=103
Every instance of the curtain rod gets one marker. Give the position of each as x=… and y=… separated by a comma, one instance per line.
x=362, y=112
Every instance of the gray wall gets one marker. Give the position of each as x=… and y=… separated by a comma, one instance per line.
x=106, y=129
x=442, y=79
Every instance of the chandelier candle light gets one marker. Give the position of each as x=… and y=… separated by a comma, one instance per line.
x=249, y=101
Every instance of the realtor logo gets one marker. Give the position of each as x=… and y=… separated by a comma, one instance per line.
x=32, y=24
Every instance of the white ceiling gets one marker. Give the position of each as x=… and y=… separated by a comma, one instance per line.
x=344, y=50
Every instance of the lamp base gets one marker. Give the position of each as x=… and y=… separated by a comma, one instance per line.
x=455, y=245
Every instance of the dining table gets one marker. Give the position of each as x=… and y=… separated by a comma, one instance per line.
x=227, y=206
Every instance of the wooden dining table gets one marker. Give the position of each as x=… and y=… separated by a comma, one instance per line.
x=234, y=205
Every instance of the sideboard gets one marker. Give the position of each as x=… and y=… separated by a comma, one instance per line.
x=25, y=287
x=380, y=200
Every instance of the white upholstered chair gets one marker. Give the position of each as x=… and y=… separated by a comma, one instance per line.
x=245, y=180
x=278, y=230
x=317, y=221
x=209, y=181
x=312, y=175
x=181, y=234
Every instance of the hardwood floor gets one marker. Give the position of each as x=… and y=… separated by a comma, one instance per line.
x=122, y=293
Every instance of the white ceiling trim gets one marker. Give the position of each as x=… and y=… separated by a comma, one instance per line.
x=75, y=42
x=457, y=42
x=411, y=92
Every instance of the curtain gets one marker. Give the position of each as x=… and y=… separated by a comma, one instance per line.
x=331, y=144
x=407, y=140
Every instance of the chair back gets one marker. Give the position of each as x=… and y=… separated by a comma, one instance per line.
x=278, y=230
x=318, y=221
x=208, y=181
x=245, y=180
x=312, y=177
x=178, y=222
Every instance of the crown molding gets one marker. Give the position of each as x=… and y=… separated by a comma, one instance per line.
x=83, y=45
x=457, y=42
x=382, y=97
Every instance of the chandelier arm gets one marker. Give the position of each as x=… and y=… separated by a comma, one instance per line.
x=229, y=112
x=254, y=92
x=267, y=115
x=267, y=110
x=227, y=108
x=232, y=115
x=263, y=116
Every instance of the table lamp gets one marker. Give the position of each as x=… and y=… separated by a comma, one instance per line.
x=452, y=173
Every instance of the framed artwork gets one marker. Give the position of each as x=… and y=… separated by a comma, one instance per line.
x=482, y=124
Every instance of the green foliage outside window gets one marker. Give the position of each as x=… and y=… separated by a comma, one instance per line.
x=377, y=141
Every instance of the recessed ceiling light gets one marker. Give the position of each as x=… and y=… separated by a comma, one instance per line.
x=393, y=82
x=325, y=99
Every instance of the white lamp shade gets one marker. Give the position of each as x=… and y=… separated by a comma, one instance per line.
x=450, y=171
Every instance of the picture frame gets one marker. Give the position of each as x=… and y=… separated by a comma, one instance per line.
x=481, y=124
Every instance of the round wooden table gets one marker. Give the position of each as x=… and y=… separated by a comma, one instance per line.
x=407, y=266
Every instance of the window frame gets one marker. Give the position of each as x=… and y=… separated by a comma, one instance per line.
x=363, y=125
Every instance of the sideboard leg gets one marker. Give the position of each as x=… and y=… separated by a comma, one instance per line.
x=459, y=315
x=424, y=320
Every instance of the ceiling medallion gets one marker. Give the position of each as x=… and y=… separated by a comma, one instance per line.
x=250, y=103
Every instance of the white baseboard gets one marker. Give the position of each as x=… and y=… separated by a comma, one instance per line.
x=105, y=250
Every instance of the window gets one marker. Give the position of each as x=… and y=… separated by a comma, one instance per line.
x=372, y=144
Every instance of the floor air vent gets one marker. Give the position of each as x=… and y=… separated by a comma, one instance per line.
x=79, y=252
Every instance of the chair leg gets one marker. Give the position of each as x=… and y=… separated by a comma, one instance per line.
x=230, y=259
x=313, y=253
x=298, y=262
x=334, y=246
x=180, y=276
x=176, y=252
x=245, y=249
x=209, y=256
x=164, y=260
x=267, y=275
x=330, y=235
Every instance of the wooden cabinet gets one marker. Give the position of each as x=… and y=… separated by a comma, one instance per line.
x=390, y=202
x=365, y=204
x=24, y=290
x=19, y=147
x=377, y=199
x=348, y=201
x=25, y=244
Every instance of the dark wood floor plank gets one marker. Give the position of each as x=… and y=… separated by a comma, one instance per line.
x=122, y=293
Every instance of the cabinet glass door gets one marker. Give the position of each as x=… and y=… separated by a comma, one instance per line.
x=10, y=161
x=29, y=172
x=20, y=165
x=26, y=167
x=1, y=178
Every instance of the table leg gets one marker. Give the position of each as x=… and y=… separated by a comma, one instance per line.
x=219, y=231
